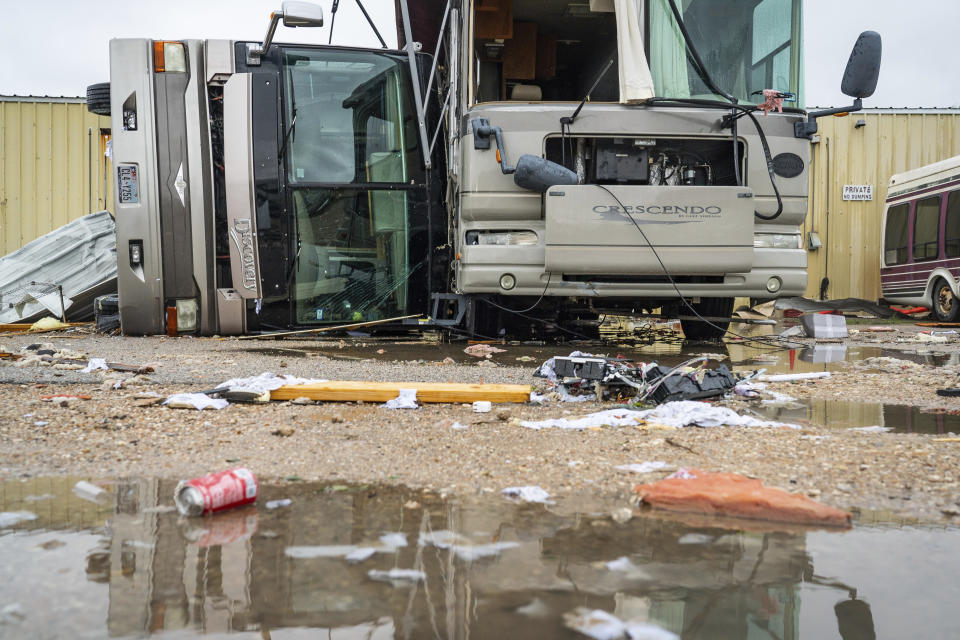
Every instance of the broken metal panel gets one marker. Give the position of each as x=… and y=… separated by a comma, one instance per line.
x=79, y=257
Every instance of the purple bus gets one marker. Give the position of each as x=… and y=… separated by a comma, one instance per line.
x=920, y=263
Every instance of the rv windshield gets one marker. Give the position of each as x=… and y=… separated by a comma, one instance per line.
x=349, y=118
x=746, y=45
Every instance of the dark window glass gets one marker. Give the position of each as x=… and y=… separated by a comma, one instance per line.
x=951, y=231
x=895, y=235
x=925, y=229
x=350, y=118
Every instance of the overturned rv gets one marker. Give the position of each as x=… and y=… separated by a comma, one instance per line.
x=514, y=165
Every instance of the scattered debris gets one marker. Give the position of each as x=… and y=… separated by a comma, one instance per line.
x=681, y=413
x=276, y=504
x=283, y=432
x=482, y=350
x=301, y=401
x=528, y=494
x=731, y=494
x=794, y=377
x=872, y=429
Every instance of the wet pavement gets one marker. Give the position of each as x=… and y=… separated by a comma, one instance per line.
x=130, y=567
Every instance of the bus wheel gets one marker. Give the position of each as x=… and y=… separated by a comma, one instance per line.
x=946, y=307
x=707, y=307
x=98, y=98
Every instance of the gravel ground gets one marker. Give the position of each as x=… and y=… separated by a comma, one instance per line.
x=109, y=435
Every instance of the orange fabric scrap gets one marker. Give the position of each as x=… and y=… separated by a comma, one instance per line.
x=734, y=495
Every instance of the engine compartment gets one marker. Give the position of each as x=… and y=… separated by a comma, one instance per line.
x=647, y=161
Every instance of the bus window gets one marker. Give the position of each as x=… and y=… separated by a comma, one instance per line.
x=895, y=235
x=925, y=229
x=951, y=231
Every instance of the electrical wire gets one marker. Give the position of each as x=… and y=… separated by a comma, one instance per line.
x=677, y=289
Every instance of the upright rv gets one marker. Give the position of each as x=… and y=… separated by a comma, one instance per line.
x=514, y=166
x=920, y=262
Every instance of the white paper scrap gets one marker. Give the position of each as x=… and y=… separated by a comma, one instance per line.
x=872, y=429
x=276, y=504
x=528, y=494
x=266, y=381
x=644, y=467
x=95, y=364
x=407, y=399
x=198, y=401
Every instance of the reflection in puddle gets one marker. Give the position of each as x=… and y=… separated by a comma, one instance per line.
x=842, y=414
x=452, y=569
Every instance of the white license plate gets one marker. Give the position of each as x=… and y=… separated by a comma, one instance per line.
x=128, y=184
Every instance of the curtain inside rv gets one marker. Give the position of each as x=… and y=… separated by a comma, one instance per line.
x=636, y=83
x=668, y=53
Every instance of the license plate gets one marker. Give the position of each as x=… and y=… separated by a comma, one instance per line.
x=128, y=184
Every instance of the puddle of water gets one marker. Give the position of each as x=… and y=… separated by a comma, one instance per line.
x=490, y=569
x=842, y=414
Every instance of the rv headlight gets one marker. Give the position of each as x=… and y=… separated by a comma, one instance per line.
x=501, y=238
x=186, y=315
x=777, y=241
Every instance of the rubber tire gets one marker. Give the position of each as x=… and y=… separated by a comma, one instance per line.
x=946, y=307
x=98, y=98
x=707, y=307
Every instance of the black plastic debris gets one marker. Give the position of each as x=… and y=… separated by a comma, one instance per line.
x=583, y=374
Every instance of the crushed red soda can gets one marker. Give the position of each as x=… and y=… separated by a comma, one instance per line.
x=216, y=492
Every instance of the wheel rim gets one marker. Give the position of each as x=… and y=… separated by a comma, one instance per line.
x=945, y=300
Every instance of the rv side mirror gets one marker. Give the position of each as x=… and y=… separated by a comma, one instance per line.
x=539, y=174
x=863, y=67
x=301, y=14
x=294, y=14
x=859, y=81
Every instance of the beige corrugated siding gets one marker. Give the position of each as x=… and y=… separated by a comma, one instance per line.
x=52, y=167
x=889, y=143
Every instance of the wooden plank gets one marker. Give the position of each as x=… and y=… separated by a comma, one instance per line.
x=25, y=326
x=520, y=53
x=351, y=391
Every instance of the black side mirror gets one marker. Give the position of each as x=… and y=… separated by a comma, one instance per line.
x=539, y=174
x=863, y=67
x=859, y=81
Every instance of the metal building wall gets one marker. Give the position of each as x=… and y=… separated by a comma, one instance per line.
x=889, y=142
x=52, y=166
